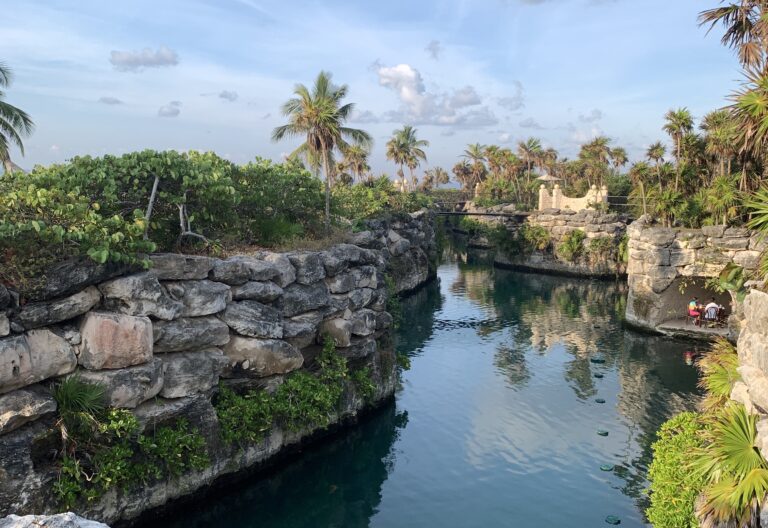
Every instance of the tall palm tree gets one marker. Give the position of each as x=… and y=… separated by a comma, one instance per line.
x=439, y=176
x=14, y=123
x=618, y=158
x=404, y=148
x=720, y=137
x=656, y=153
x=746, y=29
x=319, y=116
x=678, y=124
x=355, y=161
x=529, y=151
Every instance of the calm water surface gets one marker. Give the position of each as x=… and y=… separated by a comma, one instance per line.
x=496, y=421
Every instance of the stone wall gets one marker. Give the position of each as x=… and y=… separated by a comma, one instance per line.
x=559, y=223
x=662, y=261
x=160, y=341
x=555, y=199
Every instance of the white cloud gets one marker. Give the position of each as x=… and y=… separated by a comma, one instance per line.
x=531, y=123
x=419, y=106
x=515, y=101
x=434, y=48
x=107, y=100
x=591, y=117
x=172, y=109
x=506, y=137
x=228, y=95
x=136, y=61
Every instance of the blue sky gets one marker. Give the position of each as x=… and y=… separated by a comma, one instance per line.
x=111, y=77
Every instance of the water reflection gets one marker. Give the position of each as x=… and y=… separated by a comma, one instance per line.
x=501, y=416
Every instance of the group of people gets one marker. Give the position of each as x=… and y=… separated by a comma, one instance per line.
x=710, y=312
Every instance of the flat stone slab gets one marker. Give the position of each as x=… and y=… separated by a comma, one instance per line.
x=38, y=314
x=189, y=333
x=263, y=357
x=36, y=356
x=23, y=406
x=188, y=373
x=200, y=297
x=114, y=341
x=127, y=387
x=61, y=520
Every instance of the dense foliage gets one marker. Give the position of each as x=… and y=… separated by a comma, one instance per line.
x=305, y=399
x=674, y=485
x=103, y=449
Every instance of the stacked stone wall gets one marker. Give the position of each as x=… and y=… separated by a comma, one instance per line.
x=160, y=342
x=662, y=261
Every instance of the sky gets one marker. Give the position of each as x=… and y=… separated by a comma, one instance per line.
x=113, y=77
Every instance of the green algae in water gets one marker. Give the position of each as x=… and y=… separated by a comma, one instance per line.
x=607, y=467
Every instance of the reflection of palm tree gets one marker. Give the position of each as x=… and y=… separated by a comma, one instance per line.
x=510, y=362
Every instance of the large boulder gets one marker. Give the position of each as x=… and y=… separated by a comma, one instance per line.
x=172, y=266
x=363, y=322
x=60, y=520
x=114, y=341
x=241, y=269
x=262, y=357
x=23, y=406
x=200, y=297
x=257, y=291
x=140, y=294
x=340, y=330
x=189, y=334
x=253, y=319
x=187, y=373
x=38, y=355
x=299, y=298
x=301, y=330
x=34, y=315
x=286, y=273
x=309, y=267
x=73, y=276
x=127, y=387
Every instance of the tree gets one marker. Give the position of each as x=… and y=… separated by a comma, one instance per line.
x=618, y=158
x=319, y=116
x=14, y=123
x=355, y=161
x=404, y=148
x=746, y=30
x=656, y=153
x=678, y=124
x=529, y=151
x=720, y=138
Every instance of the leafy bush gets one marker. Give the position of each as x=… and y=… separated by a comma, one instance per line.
x=675, y=486
x=572, y=246
x=243, y=419
x=601, y=249
x=364, y=384
x=731, y=279
x=719, y=373
x=373, y=198
x=535, y=237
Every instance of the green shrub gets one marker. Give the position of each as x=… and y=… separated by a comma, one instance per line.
x=535, y=237
x=601, y=249
x=244, y=419
x=364, y=384
x=373, y=198
x=675, y=485
x=572, y=246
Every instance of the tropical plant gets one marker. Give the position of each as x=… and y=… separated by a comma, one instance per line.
x=81, y=405
x=405, y=149
x=529, y=151
x=572, y=245
x=757, y=204
x=719, y=373
x=678, y=124
x=319, y=116
x=722, y=199
x=355, y=161
x=746, y=29
x=675, y=486
x=656, y=153
x=735, y=471
x=731, y=279
x=15, y=124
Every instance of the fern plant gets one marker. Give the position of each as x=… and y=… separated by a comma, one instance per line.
x=718, y=374
x=81, y=405
x=572, y=246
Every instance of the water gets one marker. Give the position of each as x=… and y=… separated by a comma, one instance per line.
x=496, y=422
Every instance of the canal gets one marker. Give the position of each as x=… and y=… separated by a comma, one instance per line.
x=496, y=423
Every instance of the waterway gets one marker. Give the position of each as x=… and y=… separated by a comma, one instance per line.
x=496, y=423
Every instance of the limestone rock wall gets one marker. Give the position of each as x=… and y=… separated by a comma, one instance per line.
x=161, y=340
x=660, y=258
x=559, y=223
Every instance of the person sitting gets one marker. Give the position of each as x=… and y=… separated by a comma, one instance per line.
x=694, y=310
x=712, y=311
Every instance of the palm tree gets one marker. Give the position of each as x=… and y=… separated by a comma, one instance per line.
x=404, y=148
x=720, y=137
x=355, y=161
x=319, y=115
x=439, y=176
x=475, y=153
x=656, y=153
x=529, y=151
x=463, y=173
x=678, y=124
x=746, y=30
x=619, y=158
x=14, y=123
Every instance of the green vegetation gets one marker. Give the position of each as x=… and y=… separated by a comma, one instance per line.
x=103, y=449
x=394, y=307
x=572, y=246
x=602, y=249
x=674, y=487
x=731, y=279
x=319, y=116
x=713, y=455
x=304, y=400
x=405, y=149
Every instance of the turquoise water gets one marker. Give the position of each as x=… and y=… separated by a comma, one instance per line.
x=496, y=422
